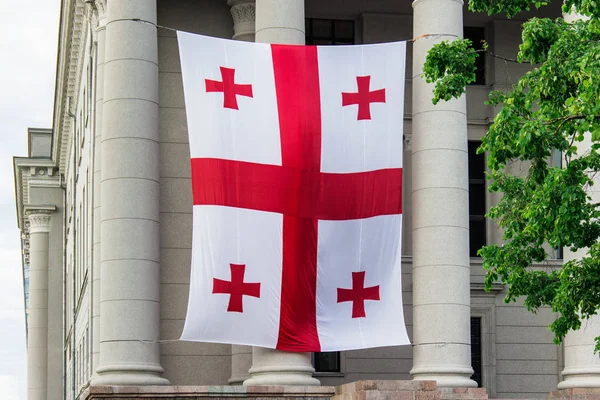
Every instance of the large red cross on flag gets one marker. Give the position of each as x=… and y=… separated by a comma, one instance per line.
x=296, y=157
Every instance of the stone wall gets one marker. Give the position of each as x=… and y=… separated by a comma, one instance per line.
x=362, y=390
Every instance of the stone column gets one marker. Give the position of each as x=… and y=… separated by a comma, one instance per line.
x=582, y=366
x=280, y=22
x=129, y=225
x=440, y=198
x=37, y=322
x=243, y=13
x=99, y=99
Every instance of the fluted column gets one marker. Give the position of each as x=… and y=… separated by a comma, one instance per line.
x=243, y=13
x=280, y=22
x=129, y=226
x=97, y=198
x=37, y=322
x=440, y=195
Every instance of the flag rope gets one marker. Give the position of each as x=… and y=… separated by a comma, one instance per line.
x=423, y=36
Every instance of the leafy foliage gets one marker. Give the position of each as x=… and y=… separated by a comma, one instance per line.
x=554, y=106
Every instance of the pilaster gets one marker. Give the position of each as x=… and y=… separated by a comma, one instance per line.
x=100, y=43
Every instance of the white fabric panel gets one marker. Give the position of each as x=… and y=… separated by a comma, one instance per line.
x=348, y=144
x=224, y=235
x=250, y=133
x=371, y=245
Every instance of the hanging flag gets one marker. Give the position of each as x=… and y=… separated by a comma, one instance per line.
x=296, y=156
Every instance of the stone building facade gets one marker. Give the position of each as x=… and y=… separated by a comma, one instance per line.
x=104, y=206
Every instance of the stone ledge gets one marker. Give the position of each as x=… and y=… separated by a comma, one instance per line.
x=462, y=393
x=575, y=394
x=404, y=390
x=361, y=390
x=385, y=386
x=191, y=392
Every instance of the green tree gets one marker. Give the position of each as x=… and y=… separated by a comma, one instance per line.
x=555, y=106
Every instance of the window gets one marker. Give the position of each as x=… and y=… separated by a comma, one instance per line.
x=476, y=349
x=329, y=31
x=477, y=194
x=327, y=361
x=477, y=34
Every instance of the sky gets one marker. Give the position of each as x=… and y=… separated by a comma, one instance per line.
x=28, y=42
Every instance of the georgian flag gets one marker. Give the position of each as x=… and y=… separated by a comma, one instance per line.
x=296, y=155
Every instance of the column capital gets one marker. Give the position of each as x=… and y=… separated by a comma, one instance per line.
x=242, y=10
x=39, y=218
x=243, y=13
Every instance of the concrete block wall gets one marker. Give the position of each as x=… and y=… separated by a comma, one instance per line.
x=528, y=363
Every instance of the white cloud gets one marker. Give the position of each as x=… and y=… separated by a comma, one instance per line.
x=29, y=32
x=10, y=387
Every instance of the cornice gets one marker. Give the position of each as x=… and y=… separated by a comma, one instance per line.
x=32, y=172
x=72, y=38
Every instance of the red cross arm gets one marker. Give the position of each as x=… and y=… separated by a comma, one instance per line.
x=229, y=88
x=364, y=97
x=358, y=294
x=236, y=288
x=294, y=192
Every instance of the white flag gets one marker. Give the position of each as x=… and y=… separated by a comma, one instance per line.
x=297, y=182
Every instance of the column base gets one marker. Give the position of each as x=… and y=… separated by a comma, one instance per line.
x=281, y=375
x=280, y=368
x=580, y=381
x=446, y=377
x=237, y=380
x=129, y=375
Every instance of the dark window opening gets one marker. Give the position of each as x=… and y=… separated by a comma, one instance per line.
x=476, y=349
x=326, y=361
x=477, y=35
x=329, y=31
x=477, y=192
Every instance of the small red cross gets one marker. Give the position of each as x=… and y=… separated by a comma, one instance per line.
x=237, y=288
x=358, y=294
x=229, y=88
x=363, y=97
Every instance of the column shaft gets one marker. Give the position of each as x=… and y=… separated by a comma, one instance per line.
x=582, y=366
x=280, y=22
x=37, y=322
x=440, y=196
x=129, y=227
